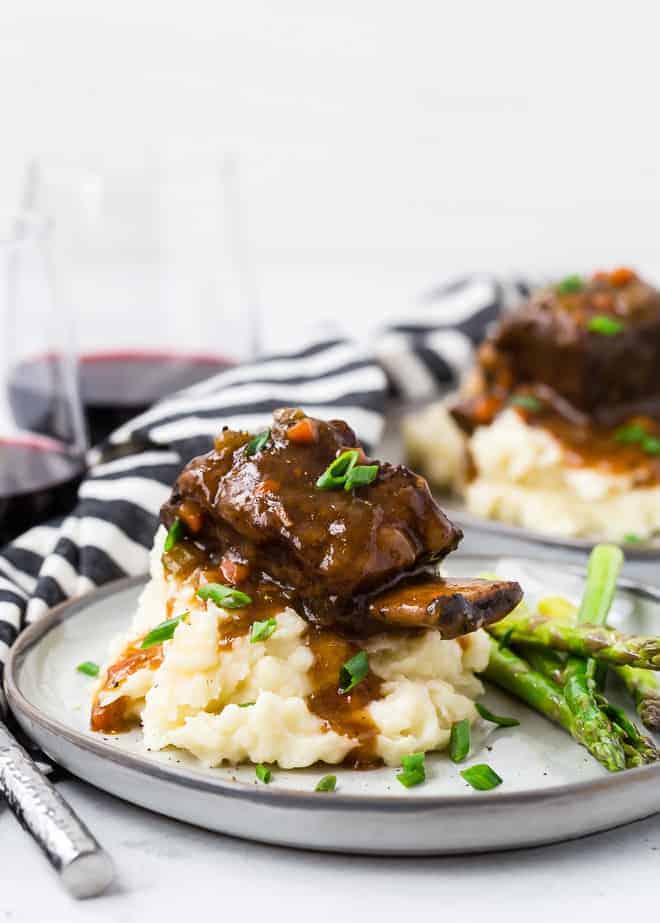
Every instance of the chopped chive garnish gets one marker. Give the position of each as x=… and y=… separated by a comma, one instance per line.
x=337, y=471
x=651, y=445
x=174, y=535
x=261, y=631
x=481, y=777
x=224, y=596
x=570, y=284
x=257, y=442
x=607, y=326
x=89, y=668
x=413, y=770
x=631, y=434
x=353, y=671
x=527, y=402
x=246, y=704
x=459, y=740
x=326, y=784
x=162, y=632
x=632, y=539
x=499, y=720
x=360, y=476
x=263, y=773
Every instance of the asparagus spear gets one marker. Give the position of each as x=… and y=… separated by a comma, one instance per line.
x=544, y=660
x=605, y=644
x=582, y=678
x=638, y=748
x=605, y=562
x=592, y=726
x=514, y=674
x=510, y=672
x=644, y=687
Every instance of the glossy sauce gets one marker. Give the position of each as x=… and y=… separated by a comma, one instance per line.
x=346, y=714
x=591, y=446
x=111, y=718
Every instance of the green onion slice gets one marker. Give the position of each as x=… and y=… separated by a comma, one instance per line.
x=481, y=777
x=570, y=284
x=224, y=596
x=499, y=720
x=632, y=539
x=263, y=773
x=246, y=704
x=337, y=471
x=174, y=535
x=527, y=402
x=162, y=632
x=360, y=476
x=631, y=434
x=413, y=770
x=326, y=784
x=261, y=631
x=89, y=668
x=605, y=562
x=651, y=445
x=459, y=740
x=605, y=325
x=257, y=442
x=353, y=671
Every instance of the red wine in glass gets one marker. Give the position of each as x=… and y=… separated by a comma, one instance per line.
x=38, y=480
x=114, y=386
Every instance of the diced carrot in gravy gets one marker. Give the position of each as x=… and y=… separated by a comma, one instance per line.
x=191, y=514
x=304, y=432
x=622, y=276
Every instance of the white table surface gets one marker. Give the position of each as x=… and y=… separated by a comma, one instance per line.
x=169, y=871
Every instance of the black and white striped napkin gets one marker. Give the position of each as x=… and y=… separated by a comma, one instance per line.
x=111, y=530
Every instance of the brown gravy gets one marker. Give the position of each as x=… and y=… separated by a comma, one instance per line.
x=346, y=714
x=591, y=446
x=111, y=719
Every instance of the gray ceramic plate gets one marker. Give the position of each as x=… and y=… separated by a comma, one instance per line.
x=552, y=788
x=455, y=508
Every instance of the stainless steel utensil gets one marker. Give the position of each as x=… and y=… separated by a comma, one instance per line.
x=83, y=866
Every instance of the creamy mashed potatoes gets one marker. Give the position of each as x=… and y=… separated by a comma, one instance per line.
x=521, y=476
x=223, y=698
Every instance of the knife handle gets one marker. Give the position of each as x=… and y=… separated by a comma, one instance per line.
x=83, y=866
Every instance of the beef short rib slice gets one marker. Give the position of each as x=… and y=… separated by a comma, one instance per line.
x=452, y=606
x=326, y=549
x=550, y=341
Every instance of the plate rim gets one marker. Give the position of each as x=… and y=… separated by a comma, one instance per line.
x=634, y=551
x=273, y=795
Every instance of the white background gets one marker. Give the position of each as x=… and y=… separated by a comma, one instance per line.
x=381, y=146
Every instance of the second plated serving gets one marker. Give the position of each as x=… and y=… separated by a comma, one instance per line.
x=557, y=429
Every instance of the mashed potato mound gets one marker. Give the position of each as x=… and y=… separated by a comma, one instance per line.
x=522, y=477
x=193, y=699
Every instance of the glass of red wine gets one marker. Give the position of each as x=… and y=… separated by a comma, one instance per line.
x=152, y=261
x=42, y=429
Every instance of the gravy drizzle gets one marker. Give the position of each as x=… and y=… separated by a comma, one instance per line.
x=346, y=714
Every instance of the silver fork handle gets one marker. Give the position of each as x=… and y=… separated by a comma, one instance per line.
x=82, y=865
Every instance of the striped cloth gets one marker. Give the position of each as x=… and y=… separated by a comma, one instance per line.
x=110, y=532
